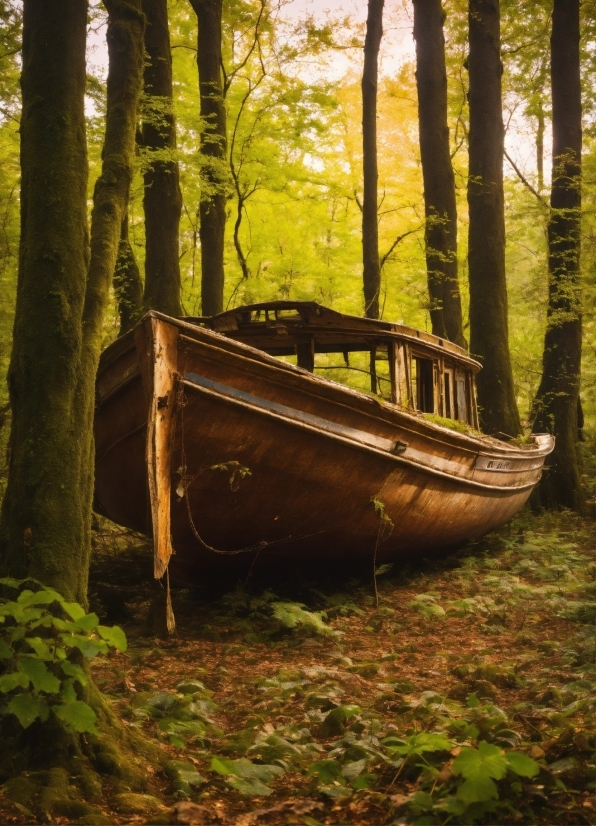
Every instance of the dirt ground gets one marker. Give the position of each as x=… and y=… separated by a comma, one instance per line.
x=309, y=703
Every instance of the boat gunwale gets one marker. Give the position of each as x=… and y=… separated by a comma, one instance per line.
x=398, y=459
x=413, y=421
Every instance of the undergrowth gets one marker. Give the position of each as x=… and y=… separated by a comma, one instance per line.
x=466, y=696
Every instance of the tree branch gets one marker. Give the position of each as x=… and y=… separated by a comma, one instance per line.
x=525, y=182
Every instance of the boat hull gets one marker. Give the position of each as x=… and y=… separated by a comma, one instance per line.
x=267, y=462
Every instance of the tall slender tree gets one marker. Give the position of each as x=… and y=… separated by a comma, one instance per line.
x=63, y=286
x=128, y=285
x=370, y=220
x=43, y=531
x=489, y=338
x=162, y=199
x=212, y=207
x=437, y=172
x=556, y=404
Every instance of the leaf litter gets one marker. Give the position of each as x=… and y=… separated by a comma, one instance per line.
x=466, y=696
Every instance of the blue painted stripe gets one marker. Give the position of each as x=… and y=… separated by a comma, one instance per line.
x=291, y=413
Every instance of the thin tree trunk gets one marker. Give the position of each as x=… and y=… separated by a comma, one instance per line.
x=162, y=199
x=370, y=221
x=127, y=282
x=540, y=146
x=556, y=404
x=489, y=339
x=212, y=207
x=43, y=534
x=437, y=172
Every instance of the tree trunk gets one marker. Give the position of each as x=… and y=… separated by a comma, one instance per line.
x=162, y=199
x=370, y=221
x=127, y=282
x=555, y=407
x=437, y=172
x=489, y=341
x=212, y=207
x=46, y=514
x=44, y=530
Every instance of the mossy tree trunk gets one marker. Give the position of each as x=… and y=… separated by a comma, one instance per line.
x=214, y=184
x=43, y=531
x=557, y=401
x=162, y=200
x=128, y=285
x=370, y=218
x=437, y=172
x=489, y=337
x=63, y=286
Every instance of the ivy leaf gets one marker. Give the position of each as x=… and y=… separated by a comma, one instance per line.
x=27, y=708
x=114, y=636
x=75, y=671
x=77, y=715
x=38, y=674
x=8, y=682
x=521, y=764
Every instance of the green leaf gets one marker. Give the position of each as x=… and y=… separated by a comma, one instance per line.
x=114, y=636
x=10, y=583
x=521, y=764
x=40, y=647
x=327, y=771
x=87, y=623
x=74, y=610
x=8, y=682
x=77, y=715
x=89, y=648
x=250, y=787
x=177, y=741
x=6, y=651
x=478, y=790
x=45, y=597
x=27, y=708
x=75, y=671
x=480, y=767
x=423, y=742
x=37, y=672
x=223, y=766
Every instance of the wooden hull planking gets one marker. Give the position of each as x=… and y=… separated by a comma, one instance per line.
x=215, y=448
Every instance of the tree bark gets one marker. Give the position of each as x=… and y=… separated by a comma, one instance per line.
x=212, y=207
x=127, y=282
x=162, y=199
x=489, y=341
x=42, y=531
x=370, y=221
x=437, y=172
x=556, y=404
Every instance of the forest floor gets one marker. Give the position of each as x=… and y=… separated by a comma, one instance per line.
x=314, y=705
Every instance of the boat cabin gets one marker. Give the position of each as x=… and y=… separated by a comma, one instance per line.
x=407, y=367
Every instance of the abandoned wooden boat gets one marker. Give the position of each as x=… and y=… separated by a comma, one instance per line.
x=211, y=440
